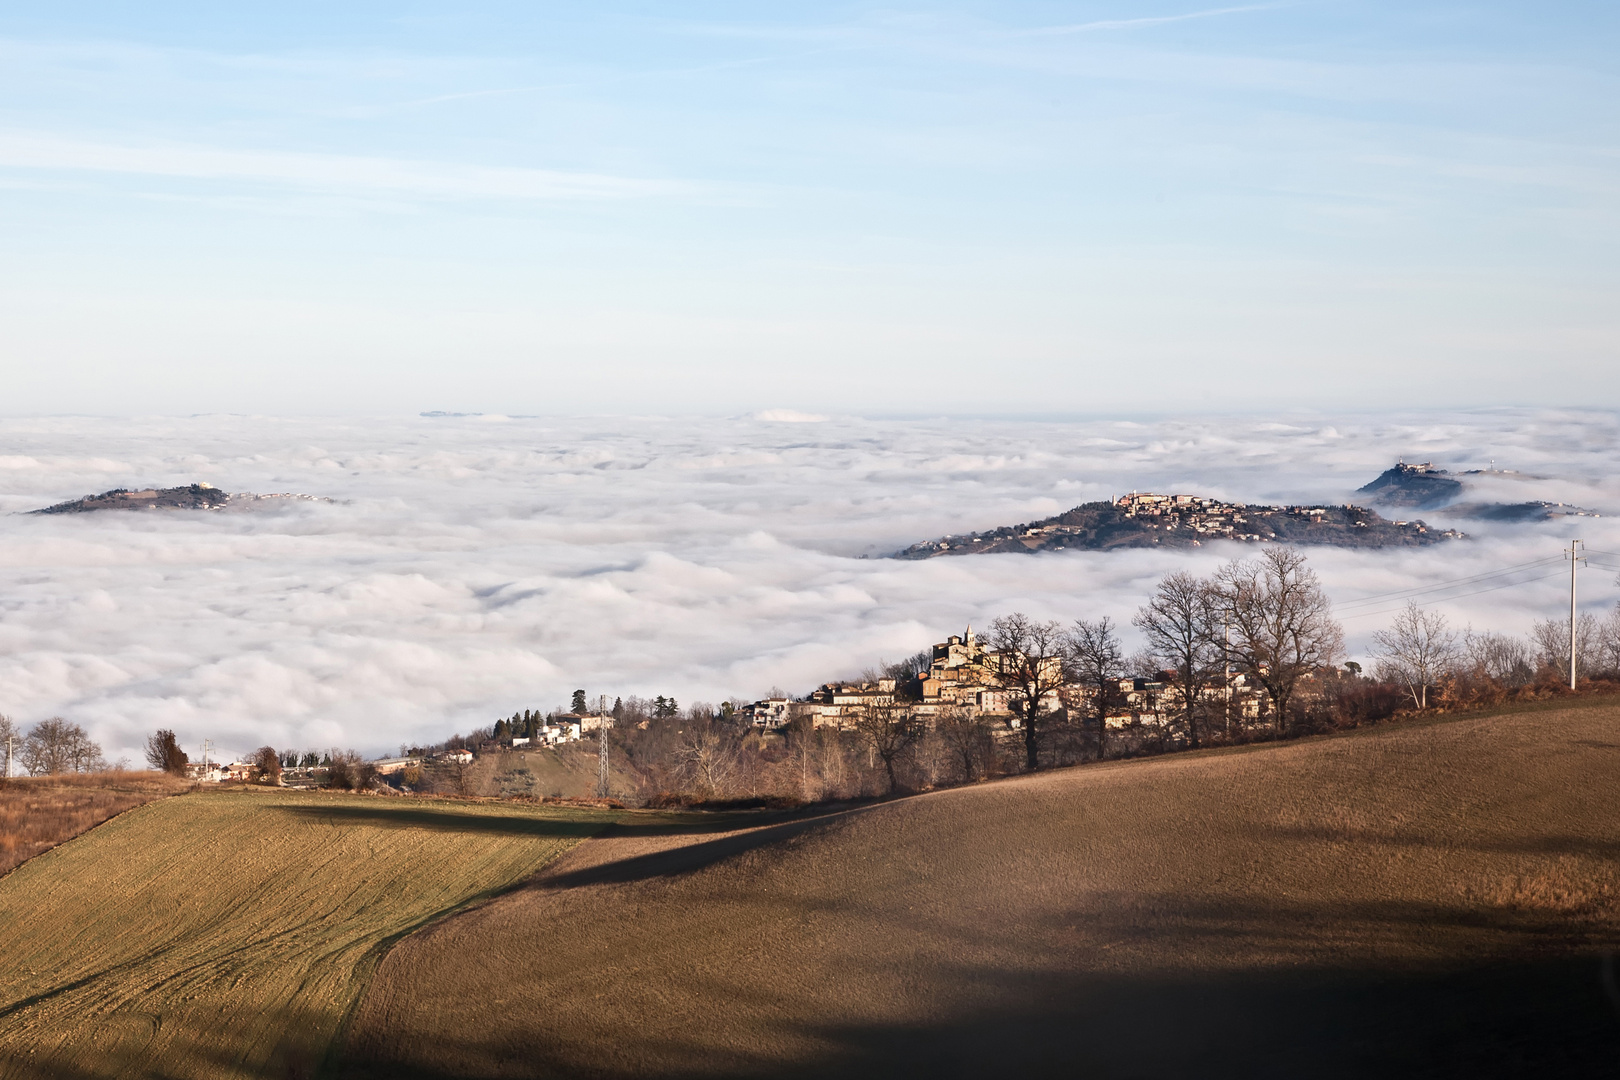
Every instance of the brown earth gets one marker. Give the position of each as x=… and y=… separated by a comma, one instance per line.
x=1435, y=899
x=39, y=812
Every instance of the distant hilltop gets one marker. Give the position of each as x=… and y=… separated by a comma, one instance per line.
x=189, y=497
x=1418, y=486
x=1143, y=519
x=1424, y=487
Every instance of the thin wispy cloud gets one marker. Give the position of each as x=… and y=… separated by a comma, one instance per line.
x=321, y=172
x=1101, y=25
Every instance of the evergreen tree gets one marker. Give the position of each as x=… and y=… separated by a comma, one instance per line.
x=502, y=729
x=618, y=708
x=578, y=704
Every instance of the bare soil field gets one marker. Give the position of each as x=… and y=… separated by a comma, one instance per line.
x=39, y=812
x=1435, y=899
x=229, y=933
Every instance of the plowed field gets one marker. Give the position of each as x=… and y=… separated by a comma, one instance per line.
x=228, y=934
x=1438, y=900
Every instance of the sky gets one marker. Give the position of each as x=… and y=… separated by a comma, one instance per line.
x=469, y=567
x=711, y=209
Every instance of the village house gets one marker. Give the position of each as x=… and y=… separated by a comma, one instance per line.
x=562, y=731
x=771, y=712
x=585, y=722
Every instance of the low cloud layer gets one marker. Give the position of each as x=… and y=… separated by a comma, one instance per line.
x=477, y=565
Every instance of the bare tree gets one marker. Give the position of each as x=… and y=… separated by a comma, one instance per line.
x=967, y=737
x=1182, y=627
x=1097, y=662
x=889, y=731
x=57, y=746
x=1417, y=649
x=1606, y=647
x=349, y=771
x=803, y=744
x=706, y=756
x=1551, y=639
x=1498, y=657
x=1029, y=659
x=1282, y=626
x=164, y=754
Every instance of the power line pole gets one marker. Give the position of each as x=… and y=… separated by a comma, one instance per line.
x=1575, y=559
x=601, y=756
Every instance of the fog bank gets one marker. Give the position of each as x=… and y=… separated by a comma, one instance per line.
x=472, y=566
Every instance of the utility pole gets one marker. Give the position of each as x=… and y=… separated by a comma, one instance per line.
x=601, y=756
x=1575, y=559
x=206, y=746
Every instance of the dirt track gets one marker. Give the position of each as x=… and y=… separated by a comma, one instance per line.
x=1431, y=900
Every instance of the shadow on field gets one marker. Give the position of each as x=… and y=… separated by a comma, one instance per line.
x=288, y=1044
x=689, y=857
x=456, y=820
x=443, y=820
x=1509, y=1019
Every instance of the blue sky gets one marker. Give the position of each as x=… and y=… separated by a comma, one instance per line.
x=971, y=208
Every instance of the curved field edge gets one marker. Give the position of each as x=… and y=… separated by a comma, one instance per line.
x=38, y=814
x=1429, y=898
x=230, y=933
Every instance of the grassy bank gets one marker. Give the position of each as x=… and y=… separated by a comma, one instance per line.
x=39, y=812
x=229, y=933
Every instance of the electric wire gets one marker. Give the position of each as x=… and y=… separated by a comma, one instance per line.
x=1473, y=579
x=1459, y=596
x=1482, y=575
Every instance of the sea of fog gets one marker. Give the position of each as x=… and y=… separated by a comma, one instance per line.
x=470, y=566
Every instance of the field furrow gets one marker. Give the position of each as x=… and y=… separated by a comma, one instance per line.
x=229, y=933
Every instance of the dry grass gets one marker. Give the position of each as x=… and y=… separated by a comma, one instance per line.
x=1424, y=900
x=37, y=813
x=228, y=933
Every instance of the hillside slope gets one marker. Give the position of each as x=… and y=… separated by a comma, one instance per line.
x=228, y=933
x=1428, y=900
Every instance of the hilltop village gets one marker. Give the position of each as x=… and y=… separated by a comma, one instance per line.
x=1143, y=519
x=965, y=676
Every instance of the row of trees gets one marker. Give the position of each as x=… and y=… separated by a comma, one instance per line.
x=49, y=747
x=1436, y=664
x=1266, y=619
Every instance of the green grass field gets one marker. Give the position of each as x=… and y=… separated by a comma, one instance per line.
x=230, y=933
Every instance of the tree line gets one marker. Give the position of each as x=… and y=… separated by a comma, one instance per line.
x=49, y=747
x=1249, y=652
